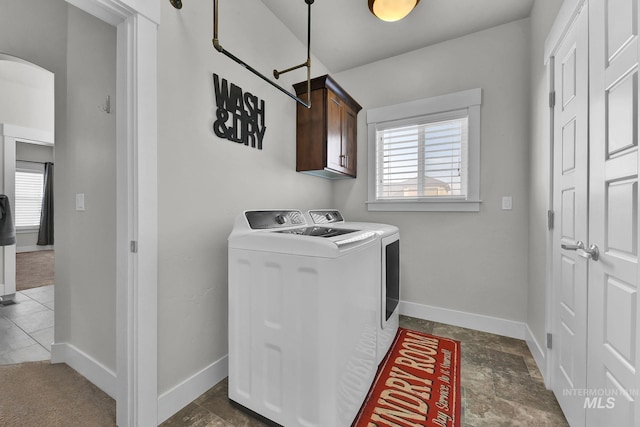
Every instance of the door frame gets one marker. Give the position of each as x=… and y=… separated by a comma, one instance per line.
x=564, y=20
x=136, y=23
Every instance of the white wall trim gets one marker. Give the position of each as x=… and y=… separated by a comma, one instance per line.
x=115, y=11
x=421, y=107
x=30, y=135
x=104, y=378
x=173, y=400
x=538, y=352
x=549, y=298
x=566, y=15
x=479, y=322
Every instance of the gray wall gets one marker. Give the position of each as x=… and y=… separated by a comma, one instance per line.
x=85, y=163
x=471, y=262
x=204, y=182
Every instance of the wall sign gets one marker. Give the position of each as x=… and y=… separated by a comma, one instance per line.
x=240, y=116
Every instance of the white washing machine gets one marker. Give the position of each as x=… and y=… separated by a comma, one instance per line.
x=303, y=318
x=388, y=282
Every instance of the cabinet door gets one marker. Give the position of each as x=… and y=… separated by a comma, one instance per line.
x=349, y=139
x=335, y=154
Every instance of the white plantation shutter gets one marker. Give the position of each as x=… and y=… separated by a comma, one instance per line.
x=29, y=191
x=423, y=158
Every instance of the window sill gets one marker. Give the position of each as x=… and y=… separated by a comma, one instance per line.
x=424, y=206
x=21, y=230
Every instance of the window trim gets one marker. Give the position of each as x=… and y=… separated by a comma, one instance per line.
x=470, y=100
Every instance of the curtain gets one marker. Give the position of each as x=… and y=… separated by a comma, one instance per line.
x=45, y=234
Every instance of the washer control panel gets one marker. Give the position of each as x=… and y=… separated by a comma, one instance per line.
x=260, y=220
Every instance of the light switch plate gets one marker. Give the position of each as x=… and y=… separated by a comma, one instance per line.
x=80, y=201
x=507, y=203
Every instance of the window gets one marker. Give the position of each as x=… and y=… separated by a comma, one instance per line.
x=29, y=192
x=424, y=155
x=423, y=160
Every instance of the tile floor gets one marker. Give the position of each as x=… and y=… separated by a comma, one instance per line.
x=501, y=386
x=26, y=328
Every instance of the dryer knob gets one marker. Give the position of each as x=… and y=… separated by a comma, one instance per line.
x=281, y=219
x=329, y=216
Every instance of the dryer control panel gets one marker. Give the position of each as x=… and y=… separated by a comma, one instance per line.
x=326, y=216
x=260, y=220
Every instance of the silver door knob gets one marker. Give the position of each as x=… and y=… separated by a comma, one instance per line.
x=592, y=253
x=579, y=245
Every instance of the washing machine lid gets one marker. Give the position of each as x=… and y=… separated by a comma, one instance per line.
x=316, y=231
x=287, y=232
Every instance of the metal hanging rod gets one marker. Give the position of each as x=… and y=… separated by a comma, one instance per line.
x=216, y=44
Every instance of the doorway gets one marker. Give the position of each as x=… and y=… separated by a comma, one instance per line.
x=27, y=110
x=134, y=382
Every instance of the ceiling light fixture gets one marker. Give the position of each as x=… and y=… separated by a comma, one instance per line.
x=392, y=10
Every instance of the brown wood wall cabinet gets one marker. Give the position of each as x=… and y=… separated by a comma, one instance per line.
x=326, y=135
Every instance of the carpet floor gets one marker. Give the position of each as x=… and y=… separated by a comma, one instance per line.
x=34, y=269
x=41, y=394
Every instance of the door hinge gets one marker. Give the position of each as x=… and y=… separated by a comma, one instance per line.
x=550, y=218
x=549, y=341
x=134, y=247
x=552, y=99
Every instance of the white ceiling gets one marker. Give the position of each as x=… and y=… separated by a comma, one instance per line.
x=344, y=34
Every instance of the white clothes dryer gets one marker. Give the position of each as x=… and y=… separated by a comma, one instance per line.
x=302, y=318
x=388, y=281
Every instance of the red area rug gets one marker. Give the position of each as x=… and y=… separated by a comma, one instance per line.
x=417, y=384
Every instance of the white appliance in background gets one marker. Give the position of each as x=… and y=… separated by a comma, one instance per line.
x=303, y=318
x=388, y=281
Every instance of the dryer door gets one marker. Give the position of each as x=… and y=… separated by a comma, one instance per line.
x=390, y=276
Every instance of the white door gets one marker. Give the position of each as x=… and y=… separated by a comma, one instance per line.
x=569, y=353
x=613, y=214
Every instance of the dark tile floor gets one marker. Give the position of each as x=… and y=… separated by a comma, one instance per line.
x=501, y=386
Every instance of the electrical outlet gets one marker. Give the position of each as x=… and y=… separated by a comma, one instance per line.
x=507, y=203
x=80, y=202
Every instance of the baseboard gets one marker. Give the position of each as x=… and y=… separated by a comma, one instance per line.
x=187, y=391
x=101, y=376
x=479, y=322
x=22, y=249
x=538, y=352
